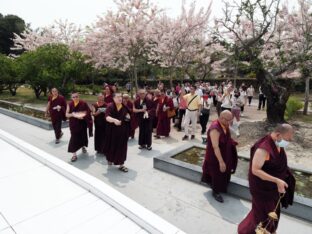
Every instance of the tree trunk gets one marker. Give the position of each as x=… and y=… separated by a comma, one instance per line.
x=306, y=95
x=135, y=76
x=37, y=92
x=170, y=78
x=13, y=90
x=276, y=96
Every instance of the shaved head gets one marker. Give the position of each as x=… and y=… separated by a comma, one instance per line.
x=226, y=114
x=226, y=117
x=284, y=128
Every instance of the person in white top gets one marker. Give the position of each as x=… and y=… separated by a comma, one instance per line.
x=226, y=99
x=243, y=98
x=250, y=94
x=206, y=102
x=236, y=109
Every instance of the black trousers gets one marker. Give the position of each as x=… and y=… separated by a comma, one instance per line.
x=57, y=126
x=218, y=108
x=145, y=132
x=249, y=99
x=203, y=120
x=180, y=115
x=262, y=100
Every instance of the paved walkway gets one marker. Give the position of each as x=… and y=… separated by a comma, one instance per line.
x=185, y=204
x=36, y=199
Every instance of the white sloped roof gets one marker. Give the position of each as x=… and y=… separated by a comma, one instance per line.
x=49, y=196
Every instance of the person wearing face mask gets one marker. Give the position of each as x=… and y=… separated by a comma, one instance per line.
x=221, y=155
x=269, y=178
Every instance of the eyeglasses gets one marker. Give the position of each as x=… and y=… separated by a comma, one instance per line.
x=74, y=96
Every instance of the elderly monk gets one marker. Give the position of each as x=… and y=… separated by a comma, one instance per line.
x=145, y=111
x=133, y=121
x=98, y=111
x=221, y=155
x=269, y=178
x=117, y=132
x=80, y=120
x=56, y=108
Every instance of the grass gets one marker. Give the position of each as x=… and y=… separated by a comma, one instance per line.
x=26, y=95
x=303, y=118
x=23, y=95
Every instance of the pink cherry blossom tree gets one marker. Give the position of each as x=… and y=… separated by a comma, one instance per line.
x=61, y=32
x=248, y=26
x=119, y=39
x=292, y=43
x=177, y=41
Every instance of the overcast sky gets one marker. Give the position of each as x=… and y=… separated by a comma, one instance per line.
x=41, y=13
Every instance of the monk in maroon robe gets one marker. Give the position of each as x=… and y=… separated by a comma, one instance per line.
x=155, y=100
x=221, y=155
x=133, y=120
x=144, y=109
x=56, y=108
x=269, y=177
x=98, y=111
x=163, y=125
x=117, y=133
x=80, y=120
x=108, y=94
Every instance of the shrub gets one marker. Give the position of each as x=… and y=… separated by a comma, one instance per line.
x=292, y=106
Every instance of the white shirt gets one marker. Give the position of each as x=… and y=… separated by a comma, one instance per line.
x=206, y=104
x=199, y=92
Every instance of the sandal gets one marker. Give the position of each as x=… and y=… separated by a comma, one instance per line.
x=74, y=158
x=123, y=169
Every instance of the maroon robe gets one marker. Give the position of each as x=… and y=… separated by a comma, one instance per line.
x=57, y=116
x=265, y=193
x=145, y=125
x=78, y=127
x=108, y=99
x=133, y=121
x=99, y=125
x=155, y=119
x=163, y=124
x=211, y=169
x=116, y=137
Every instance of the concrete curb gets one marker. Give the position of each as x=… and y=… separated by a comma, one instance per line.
x=30, y=120
x=302, y=207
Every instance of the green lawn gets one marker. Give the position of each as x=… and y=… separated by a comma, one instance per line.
x=23, y=95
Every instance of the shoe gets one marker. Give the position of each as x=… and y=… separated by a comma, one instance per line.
x=84, y=150
x=192, y=137
x=217, y=197
x=141, y=147
x=57, y=141
x=157, y=137
x=149, y=147
x=74, y=158
x=185, y=138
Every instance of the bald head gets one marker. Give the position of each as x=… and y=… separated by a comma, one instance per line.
x=284, y=128
x=226, y=118
x=283, y=131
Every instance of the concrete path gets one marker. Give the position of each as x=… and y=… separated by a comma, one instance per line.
x=187, y=205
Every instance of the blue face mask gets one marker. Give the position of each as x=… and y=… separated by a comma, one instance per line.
x=282, y=143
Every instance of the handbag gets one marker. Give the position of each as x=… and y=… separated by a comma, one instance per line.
x=171, y=113
x=205, y=111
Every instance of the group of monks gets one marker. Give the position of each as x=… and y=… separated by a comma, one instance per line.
x=116, y=117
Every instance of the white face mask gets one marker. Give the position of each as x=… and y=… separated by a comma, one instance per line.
x=282, y=143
